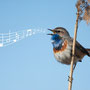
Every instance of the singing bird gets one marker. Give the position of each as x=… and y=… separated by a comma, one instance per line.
x=62, y=47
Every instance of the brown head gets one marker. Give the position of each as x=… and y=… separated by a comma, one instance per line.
x=62, y=32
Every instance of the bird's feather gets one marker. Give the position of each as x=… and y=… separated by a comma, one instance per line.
x=79, y=47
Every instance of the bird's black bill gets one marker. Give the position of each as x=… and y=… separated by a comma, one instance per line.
x=50, y=29
x=50, y=34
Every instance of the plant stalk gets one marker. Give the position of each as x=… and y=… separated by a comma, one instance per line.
x=73, y=54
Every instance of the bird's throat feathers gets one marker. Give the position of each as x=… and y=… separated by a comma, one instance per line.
x=57, y=45
x=57, y=42
x=63, y=47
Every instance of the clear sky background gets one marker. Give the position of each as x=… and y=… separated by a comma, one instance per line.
x=29, y=64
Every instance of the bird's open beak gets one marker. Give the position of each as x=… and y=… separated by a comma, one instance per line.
x=50, y=34
x=51, y=31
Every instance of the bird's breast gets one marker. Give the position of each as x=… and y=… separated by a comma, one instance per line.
x=64, y=46
x=63, y=55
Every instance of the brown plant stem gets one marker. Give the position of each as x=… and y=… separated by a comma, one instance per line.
x=73, y=54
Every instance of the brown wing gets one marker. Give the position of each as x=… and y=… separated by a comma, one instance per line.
x=79, y=48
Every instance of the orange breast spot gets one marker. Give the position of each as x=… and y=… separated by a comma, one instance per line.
x=64, y=46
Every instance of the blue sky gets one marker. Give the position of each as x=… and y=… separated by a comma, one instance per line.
x=29, y=64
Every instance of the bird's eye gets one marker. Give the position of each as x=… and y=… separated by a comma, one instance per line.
x=57, y=31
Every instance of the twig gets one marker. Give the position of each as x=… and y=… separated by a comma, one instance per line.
x=73, y=54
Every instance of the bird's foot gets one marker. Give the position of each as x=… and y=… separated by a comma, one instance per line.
x=70, y=79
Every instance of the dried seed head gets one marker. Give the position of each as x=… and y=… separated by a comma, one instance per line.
x=88, y=1
x=83, y=8
x=86, y=16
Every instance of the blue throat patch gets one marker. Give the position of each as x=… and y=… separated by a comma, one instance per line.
x=56, y=41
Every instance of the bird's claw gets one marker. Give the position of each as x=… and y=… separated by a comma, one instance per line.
x=70, y=79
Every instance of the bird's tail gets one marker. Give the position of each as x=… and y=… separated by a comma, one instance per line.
x=88, y=51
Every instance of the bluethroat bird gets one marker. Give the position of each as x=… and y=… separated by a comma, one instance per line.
x=62, y=47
